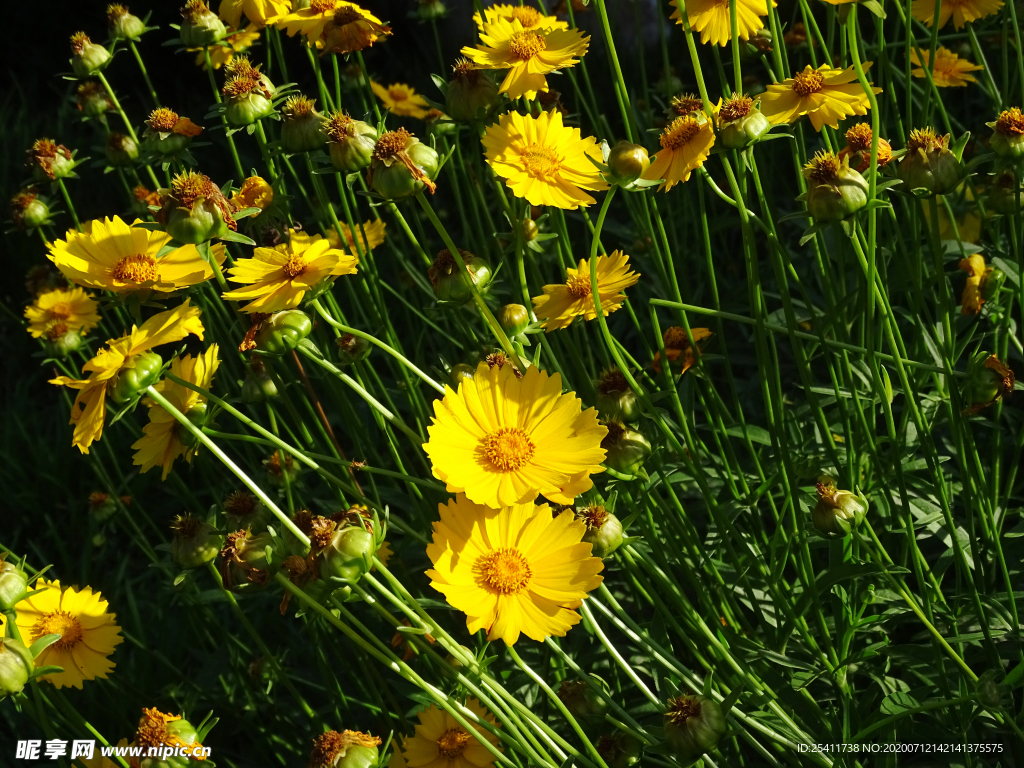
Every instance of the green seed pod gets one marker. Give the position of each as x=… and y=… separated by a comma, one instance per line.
x=834, y=189
x=302, y=127
x=121, y=150
x=350, y=553
x=244, y=561
x=693, y=726
x=627, y=449
x=49, y=160
x=1008, y=134
x=282, y=332
x=87, y=58
x=352, y=349
x=740, y=123
x=129, y=383
x=194, y=210
x=13, y=585
x=61, y=341
x=616, y=400
x=461, y=372
x=348, y=749
x=203, y=221
x=92, y=99
x=514, y=318
x=243, y=511
x=837, y=512
x=258, y=386
x=29, y=211
x=471, y=93
x=1002, y=195
x=350, y=142
x=123, y=25
x=620, y=750
x=402, y=165
x=195, y=543
x=928, y=164
x=627, y=163
x=582, y=700
x=200, y=27
x=991, y=282
x=180, y=733
x=16, y=665
x=988, y=380
x=247, y=109
x=450, y=286
x=165, y=145
x=604, y=530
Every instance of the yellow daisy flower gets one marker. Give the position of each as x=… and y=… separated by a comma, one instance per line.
x=526, y=15
x=505, y=440
x=257, y=11
x=162, y=442
x=824, y=94
x=88, y=633
x=950, y=70
x=279, y=277
x=711, y=18
x=336, y=26
x=370, y=234
x=544, y=161
x=254, y=193
x=109, y=255
x=685, y=145
x=563, y=303
x=401, y=99
x=120, y=355
x=513, y=570
x=221, y=55
x=442, y=742
x=961, y=11
x=71, y=308
x=971, y=300
x=527, y=54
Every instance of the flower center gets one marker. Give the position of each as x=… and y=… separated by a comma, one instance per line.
x=137, y=268
x=61, y=311
x=452, y=743
x=808, y=82
x=59, y=623
x=56, y=330
x=578, y=287
x=736, y=108
x=504, y=571
x=398, y=94
x=541, y=162
x=162, y=119
x=859, y=137
x=294, y=267
x=346, y=15
x=823, y=168
x=321, y=6
x=391, y=144
x=682, y=708
x=527, y=16
x=508, y=449
x=526, y=45
x=1011, y=122
x=680, y=131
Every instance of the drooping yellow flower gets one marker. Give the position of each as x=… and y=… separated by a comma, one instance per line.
x=685, y=145
x=279, y=277
x=711, y=18
x=334, y=26
x=950, y=70
x=563, y=303
x=254, y=193
x=401, y=99
x=259, y=12
x=221, y=55
x=505, y=440
x=110, y=255
x=71, y=308
x=527, y=54
x=526, y=15
x=370, y=235
x=88, y=633
x=442, y=742
x=961, y=11
x=544, y=161
x=512, y=570
x=162, y=441
x=120, y=355
x=825, y=95
x=971, y=300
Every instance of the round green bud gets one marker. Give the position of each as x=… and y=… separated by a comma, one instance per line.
x=350, y=142
x=16, y=664
x=13, y=585
x=349, y=554
x=203, y=221
x=282, y=332
x=348, y=749
x=302, y=127
x=197, y=417
x=928, y=164
x=530, y=230
x=245, y=563
x=195, y=543
x=87, y=58
x=834, y=189
x=61, y=343
x=461, y=372
x=402, y=165
x=693, y=726
x=514, y=318
x=604, y=530
x=167, y=145
x=200, y=26
x=102, y=506
x=352, y=349
x=988, y=380
x=129, y=383
x=991, y=282
x=616, y=400
x=121, y=150
x=582, y=700
x=1002, y=195
x=258, y=386
x=626, y=448
x=471, y=94
x=430, y=9
x=29, y=211
x=746, y=126
x=837, y=512
x=247, y=109
x=1008, y=134
x=450, y=286
x=627, y=162
x=123, y=25
x=243, y=511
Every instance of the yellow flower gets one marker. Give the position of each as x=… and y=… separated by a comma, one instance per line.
x=685, y=144
x=112, y=256
x=711, y=18
x=71, y=308
x=119, y=355
x=88, y=633
x=561, y=304
x=961, y=11
x=369, y=233
x=950, y=70
x=441, y=742
x=542, y=160
x=254, y=193
x=336, y=26
x=513, y=570
x=824, y=94
x=279, y=277
x=401, y=99
x=971, y=301
x=505, y=440
x=236, y=43
x=527, y=54
x=527, y=15
x=161, y=442
x=259, y=12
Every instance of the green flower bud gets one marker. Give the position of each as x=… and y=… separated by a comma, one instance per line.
x=122, y=24
x=928, y=164
x=28, y=210
x=1002, y=195
x=350, y=142
x=244, y=511
x=200, y=27
x=834, y=189
x=991, y=282
x=450, y=286
x=693, y=725
x=194, y=210
x=352, y=349
x=121, y=150
x=988, y=380
x=102, y=506
x=302, y=127
x=61, y=341
x=16, y=665
x=160, y=728
x=837, y=511
x=620, y=750
x=129, y=383
x=248, y=108
x=282, y=332
x=13, y=585
x=514, y=318
x=626, y=449
x=740, y=123
x=244, y=561
x=87, y=58
x=92, y=99
x=402, y=165
x=530, y=230
x=460, y=372
x=197, y=416
x=1008, y=134
x=582, y=700
x=615, y=399
x=195, y=543
x=349, y=554
x=278, y=472
x=49, y=160
x=258, y=386
x=604, y=530
x=627, y=163
x=348, y=749
x=430, y=9
x=471, y=94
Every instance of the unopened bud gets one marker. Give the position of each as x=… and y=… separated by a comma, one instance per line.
x=352, y=349
x=450, y=286
x=129, y=383
x=195, y=543
x=282, y=332
x=16, y=665
x=514, y=319
x=604, y=530
x=837, y=511
x=693, y=725
x=200, y=27
x=13, y=585
x=626, y=448
x=627, y=163
x=87, y=58
x=582, y=700
x=834, y=190
x=928, y=164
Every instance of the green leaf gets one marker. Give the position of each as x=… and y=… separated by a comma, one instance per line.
x=897, y=702
x=42, y=644
x=236, y=237
x=49, y=669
